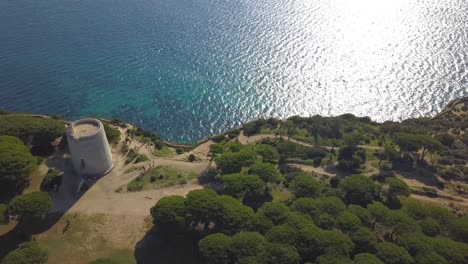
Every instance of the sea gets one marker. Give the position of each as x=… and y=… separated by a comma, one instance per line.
x=187, y=69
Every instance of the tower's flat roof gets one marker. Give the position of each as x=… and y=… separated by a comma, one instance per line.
x=85, y=129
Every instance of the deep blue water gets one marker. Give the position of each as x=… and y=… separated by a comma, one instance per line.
x=190, y=68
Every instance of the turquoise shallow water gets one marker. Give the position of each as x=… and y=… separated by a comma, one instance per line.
x=187, y=69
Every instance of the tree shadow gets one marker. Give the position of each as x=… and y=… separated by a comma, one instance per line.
x=9, y=190
x=420, y=173
x=158, y=248
x=63, y=200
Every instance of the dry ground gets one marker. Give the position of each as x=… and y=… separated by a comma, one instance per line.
x=106, y=223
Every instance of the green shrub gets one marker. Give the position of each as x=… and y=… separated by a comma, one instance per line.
x=254, y=127
x=159, y=144
x=218, y=138
x=141, y=158
x=133, y=155
x=135, y=185
x=112, y=134
x=192, y=157
x=53, y=177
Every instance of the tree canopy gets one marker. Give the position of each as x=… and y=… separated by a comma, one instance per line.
x=169, y=213
x=268, y=153
x=305, y=185
x=393, y=254
x=232, y=162
x=215, y=248
x=358, y=189
x=27, y=253
x=30, y=205
x=366, y=258
x=266, y=171
x=16, y=162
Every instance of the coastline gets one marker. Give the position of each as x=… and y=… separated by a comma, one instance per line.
x=190, y=146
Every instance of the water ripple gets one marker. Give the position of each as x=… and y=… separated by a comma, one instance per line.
x=187, y=69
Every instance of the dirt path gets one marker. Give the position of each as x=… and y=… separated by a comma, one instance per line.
x=103, y=198
x=307, y=168
x=123, y=217
x=441, y=201
x=243, y=139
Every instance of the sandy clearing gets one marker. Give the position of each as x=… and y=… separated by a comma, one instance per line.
x=102, y=196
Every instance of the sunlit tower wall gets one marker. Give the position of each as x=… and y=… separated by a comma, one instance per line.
x=89, y=148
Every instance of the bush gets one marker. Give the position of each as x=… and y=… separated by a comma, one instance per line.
x=133, y=155
x=135, y=186
x=53, y=177
x=179, y=151
x=216, y=149
x=112, y=134
x=159, y=144
x=218, y=138
x=147, y=134
x=192, y=157
x=397, y=187
x=141, y=158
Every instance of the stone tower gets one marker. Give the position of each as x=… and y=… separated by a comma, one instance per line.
x=89, y=148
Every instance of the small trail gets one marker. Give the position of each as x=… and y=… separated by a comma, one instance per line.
x=243, y=139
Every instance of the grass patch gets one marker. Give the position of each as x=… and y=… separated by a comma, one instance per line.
x=309, y=162
x=160, y=177
x=134, y=156
x=281, y=194
x=117, y=257
x=164, y=152
x=327, y=160
x=83, y=242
